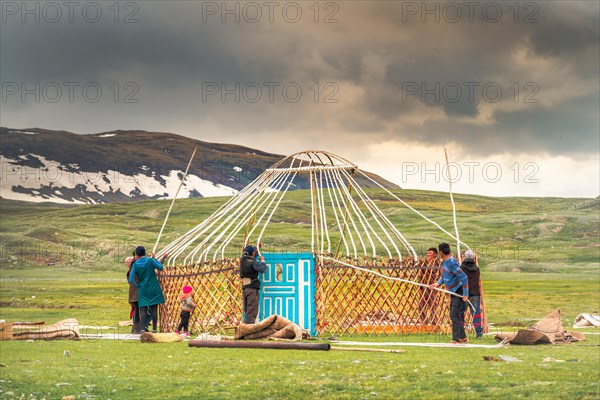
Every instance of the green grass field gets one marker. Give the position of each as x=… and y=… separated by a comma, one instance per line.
x=536, y=255
x=130, y=370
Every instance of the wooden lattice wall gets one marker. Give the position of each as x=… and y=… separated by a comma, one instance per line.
x=348, y=301
x=218, y=296
x=354, y=302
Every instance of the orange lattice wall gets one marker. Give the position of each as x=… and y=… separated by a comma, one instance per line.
x=348, y=301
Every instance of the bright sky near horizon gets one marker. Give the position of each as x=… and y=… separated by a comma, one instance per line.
x=510, y=89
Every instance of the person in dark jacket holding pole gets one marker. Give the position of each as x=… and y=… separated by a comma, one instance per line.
x=250, y=267
x=469, y=267
x=455, y=281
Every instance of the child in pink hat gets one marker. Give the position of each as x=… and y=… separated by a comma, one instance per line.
x=186, y=300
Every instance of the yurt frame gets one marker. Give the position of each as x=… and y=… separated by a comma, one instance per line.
x=369, y=279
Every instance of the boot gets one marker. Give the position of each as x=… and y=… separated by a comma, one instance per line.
x=135, y=328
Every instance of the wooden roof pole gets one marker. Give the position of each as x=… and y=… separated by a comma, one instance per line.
x=337, y=252
x=173, y=202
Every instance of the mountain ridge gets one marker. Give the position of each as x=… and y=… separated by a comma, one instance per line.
x=126, y=165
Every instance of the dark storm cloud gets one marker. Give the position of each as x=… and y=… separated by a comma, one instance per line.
x=394, y=74
x=568, y=31
x=565, y=130
x=91, y=51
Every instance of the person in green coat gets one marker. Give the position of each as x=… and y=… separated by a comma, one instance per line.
x=150, y=294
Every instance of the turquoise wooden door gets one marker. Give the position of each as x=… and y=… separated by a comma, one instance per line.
x=287, y=288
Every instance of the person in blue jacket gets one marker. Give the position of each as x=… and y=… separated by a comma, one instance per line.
x=150, y=294
x=455, y=281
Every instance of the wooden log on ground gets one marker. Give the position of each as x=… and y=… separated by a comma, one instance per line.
x=149, y=337
x=259, y=345
x=6, y=331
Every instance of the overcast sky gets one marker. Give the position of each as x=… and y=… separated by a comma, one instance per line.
x=511, y=90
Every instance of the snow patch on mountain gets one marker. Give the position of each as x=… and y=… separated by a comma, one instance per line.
x=69, y=184
x=24, y=132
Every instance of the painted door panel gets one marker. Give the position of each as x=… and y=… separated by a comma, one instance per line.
x=287, y=288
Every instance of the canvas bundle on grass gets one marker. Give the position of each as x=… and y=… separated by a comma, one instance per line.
x=357, y=273
x=549, y=330
x=65, y=329
x=272, y=327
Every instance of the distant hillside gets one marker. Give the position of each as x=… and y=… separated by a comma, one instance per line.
x=518, y=234
x=65, y=167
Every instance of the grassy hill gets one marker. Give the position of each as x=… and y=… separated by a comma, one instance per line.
x=510, y=234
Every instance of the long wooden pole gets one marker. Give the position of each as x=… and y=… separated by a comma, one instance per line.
x=173, y=202
x=453, y=210
x=246, y=344
x=337, y=251
x=314, y=216
x=368, y=350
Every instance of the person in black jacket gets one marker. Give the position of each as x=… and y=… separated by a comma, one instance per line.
x=469, y=267
x=250, y=267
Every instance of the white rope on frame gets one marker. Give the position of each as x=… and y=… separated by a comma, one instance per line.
x=346, y=199
x=176, y=248
x=368, y=204
x=275, y=190
x=362, y=220
x=247, y=218
x=324, y=229
x=396, y=232
x=312, y=213
x=234, y=206
x=411, y=208
x=274, y=208
x=240, y=207
x=231, y=219
x=269, y=206
x=330, y=189
x=453, y=209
